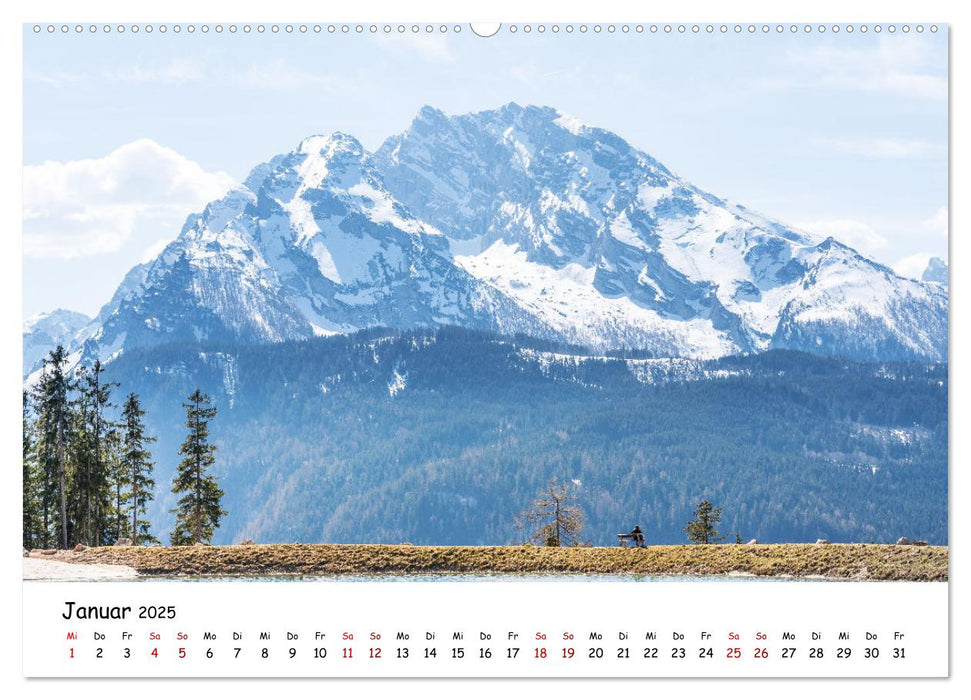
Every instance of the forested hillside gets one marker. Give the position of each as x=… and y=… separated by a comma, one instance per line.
x=441, y=437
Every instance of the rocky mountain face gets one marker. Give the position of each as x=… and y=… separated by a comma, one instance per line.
x=548, y=207
x=515, y=220
x=935, y=272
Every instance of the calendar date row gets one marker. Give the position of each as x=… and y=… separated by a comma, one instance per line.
x=488, y=652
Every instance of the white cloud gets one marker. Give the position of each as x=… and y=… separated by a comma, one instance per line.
x=908, y=66
x=856, y=234
x=913, y=266
x=154, y=250
x=177, y=71
x=883, y=148
x=919, y=240
x=530, y=73
x=55, y=79
x=85, y=207
x=524, y=74
x=432, y=47
x=274, y=74
x=937, y=224
x=278, y=74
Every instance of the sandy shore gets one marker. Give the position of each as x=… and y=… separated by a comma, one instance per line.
x=47, y=569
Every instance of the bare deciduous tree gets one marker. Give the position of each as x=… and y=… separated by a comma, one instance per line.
x=554, y=519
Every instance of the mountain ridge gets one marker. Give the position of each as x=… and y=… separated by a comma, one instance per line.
x=514, y=220
x=42, y=332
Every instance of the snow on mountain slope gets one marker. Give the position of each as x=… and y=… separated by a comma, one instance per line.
x=863, y=308
x=566, y=195
x=568, y=303
x=515, y=220
x=310, y=244
x=44, y=332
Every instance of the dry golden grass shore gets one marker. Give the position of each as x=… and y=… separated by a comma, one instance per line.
x=867, y=562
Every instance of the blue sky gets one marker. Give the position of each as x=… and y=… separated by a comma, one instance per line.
x=124, y=135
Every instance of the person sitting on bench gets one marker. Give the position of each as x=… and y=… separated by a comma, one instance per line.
x=635, y=536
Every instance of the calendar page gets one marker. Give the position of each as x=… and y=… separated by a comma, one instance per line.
x=515, y=350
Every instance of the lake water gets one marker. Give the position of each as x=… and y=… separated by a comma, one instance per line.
x=478, y=578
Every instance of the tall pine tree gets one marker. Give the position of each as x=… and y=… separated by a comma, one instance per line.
x=31, y=516
x=198, y=513
x=136, y=469
x=702, y=530
x=80, y=458
x=91, y=443
x=53, y=433
x=102, y=434
x=119, y=482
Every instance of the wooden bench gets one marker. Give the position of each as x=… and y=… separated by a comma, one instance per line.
x=636, y=537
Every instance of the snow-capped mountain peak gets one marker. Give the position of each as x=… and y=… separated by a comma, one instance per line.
x=518, y=219
x=935, y=272
x=45, y=331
